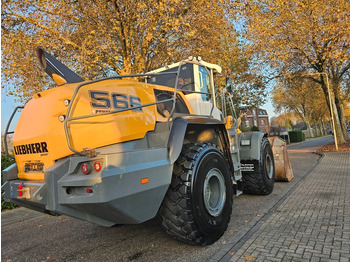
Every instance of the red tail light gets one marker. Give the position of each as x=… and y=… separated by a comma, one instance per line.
x=85, y=168
x=97, y=166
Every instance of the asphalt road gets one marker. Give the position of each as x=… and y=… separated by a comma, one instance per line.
x=310, y=145
x=30, y=236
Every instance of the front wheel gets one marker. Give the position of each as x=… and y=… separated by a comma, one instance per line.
x=198, y=205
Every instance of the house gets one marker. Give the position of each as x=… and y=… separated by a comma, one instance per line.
x=255, y=117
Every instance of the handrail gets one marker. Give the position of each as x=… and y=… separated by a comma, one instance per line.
x=7, y=130
x=175, y=92
x=67, y=118
x=173, y=99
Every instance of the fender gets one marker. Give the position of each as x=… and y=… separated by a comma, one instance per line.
x=10, y=173
x=251, y=151
x=181, y=127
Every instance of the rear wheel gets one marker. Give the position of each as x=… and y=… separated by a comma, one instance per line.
x=198, y=204
x=262, y=180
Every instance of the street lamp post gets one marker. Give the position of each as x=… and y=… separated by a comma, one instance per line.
x=332, y=116
x=331, y=106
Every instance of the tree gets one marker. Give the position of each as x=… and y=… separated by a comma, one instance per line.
x=9, y=144
x=294, y=96
x=347, y=112
x=99, y=38
x=320, y=116
x=300, y=35
x=285, y=119
x=243, y=83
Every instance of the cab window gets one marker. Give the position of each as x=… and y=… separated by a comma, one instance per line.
x=204, y=82
x=185, y=81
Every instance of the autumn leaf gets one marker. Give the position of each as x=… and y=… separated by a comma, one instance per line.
x=249, y=257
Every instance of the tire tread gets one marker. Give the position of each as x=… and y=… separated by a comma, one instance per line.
x=178, y=220
x=254, y=183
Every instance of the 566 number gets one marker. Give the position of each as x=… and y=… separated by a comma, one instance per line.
x=105, y=100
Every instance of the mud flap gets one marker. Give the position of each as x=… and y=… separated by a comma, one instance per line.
x=283, y=168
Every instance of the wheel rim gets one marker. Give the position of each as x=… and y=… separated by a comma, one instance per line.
x=269, y=166
x=214, y=192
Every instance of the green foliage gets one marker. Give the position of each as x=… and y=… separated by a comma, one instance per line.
x=244, y=129
x=296, y=136
x=6, y=161
x=254, y=128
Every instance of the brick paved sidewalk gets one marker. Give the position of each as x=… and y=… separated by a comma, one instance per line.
x=312, y=224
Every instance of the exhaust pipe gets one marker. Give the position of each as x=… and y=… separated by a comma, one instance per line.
x=55, y=69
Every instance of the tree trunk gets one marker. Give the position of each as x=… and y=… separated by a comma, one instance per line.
x=319, y=129
x=311, y=134
x=316, y=130
x=339, y=104
x=324, y=128
x=343, y=120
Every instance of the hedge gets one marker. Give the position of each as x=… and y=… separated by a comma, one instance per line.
x=296, y=136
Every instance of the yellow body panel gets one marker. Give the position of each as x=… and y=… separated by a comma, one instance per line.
x=113, y=128
x=40, y=136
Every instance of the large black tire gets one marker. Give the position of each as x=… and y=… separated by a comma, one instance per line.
x=262, y=180
x=198, y=205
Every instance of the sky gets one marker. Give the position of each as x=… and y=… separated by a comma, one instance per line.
x=270, y=110
x=7, y=107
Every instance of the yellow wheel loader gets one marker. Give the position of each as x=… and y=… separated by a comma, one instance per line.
x=118, y=151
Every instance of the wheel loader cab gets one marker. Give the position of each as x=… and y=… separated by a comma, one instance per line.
x=194, y=78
